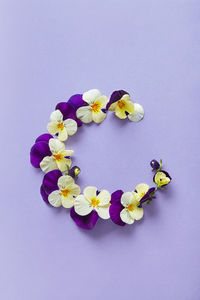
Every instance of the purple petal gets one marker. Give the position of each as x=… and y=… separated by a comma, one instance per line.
x=116, y=196
x=68, y=111
x=50, y=181
x=115, y=210
x=116, y=96
x=44, y=138
x=44, y=194
x=84, y=222
x=116, y=207
x=76, y=101
x=38, y=152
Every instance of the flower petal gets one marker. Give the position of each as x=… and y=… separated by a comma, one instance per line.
x=104, y=197
x=38, y=152
x=115, y=210
x=127, y=199
x=76, y=101
x=71, y=126
x=65, y=181
x=84, y=114
x=103, y=100
x=84, y=222
x=56, y=116
x=90, y=192
x=52, y=127
x=126, y=217
x=91, y=95
x=98, y=117
x=75, y=189
x=116, y=196
x=50, y=181
x=103, y=211
x=138, y=113
x=120, y=113
x=64, y=164
x=68, y=111
x=56, y=146
x=129, y=107
x=137, y=213
x=82, y=206
x=63, y=135
x=44, y=194
x=48, y=164
x=142, y=189
x=55, y=199
x=44, y=138
x=68, y=202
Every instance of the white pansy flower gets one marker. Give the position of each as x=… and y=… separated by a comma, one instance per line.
x=63, y=128
x=58, y=158
x=66, y=193
x=93, y=111
x=89, y=201
x=131, y=211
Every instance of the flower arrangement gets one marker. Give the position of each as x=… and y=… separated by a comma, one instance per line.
x=59, y=186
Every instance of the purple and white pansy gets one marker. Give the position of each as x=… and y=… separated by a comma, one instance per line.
x=59, y=187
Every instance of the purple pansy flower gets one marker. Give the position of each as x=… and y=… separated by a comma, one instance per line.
x=85, y=222
x=40, y=149
x=69, y=108
x=116, y=96
x=50, y=184
x=116, y=207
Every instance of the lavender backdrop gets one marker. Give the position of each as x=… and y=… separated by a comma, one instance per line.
x=53, y=49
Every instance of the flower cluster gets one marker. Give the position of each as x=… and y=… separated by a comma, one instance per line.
x=59, y=188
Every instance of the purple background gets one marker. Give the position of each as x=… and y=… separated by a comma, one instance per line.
x=53, y=49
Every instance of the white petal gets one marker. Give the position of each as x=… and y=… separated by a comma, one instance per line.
x=56, y=146
x=63, y=135
x=82, y=206
x=52, y=127
x=90, y=192
x=138, y=113
x=67, y=152
x=126, y=217
x=75, y=189
x=71, y=126
x=56, y=116
x=142, y=188
x=48, y=164
x=65, y=181
x=68, y=202
x=104, y=197
x=103, y=211
x=84, y=113
x=98, y=117
x=64, y=164
x=55, y=199
x=135, y=199
x=103, y=100
x=91, y=95
x=126, y=199
x=137, y=213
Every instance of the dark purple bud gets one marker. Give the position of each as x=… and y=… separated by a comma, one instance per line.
x=155, y=164
x=74, y=172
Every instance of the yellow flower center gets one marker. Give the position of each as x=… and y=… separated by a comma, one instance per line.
x=95, y=202
x=60, y=126
x=130, y=207
x=121, y=104
x=57, y=156
x=96, y=107
x=65, y=192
